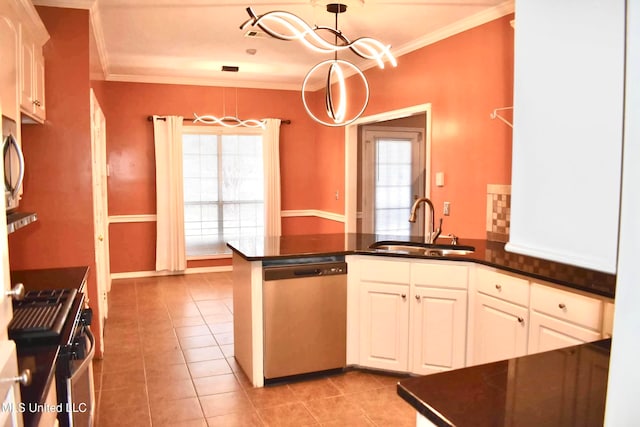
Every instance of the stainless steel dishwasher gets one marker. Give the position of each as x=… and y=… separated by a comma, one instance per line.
x=305, y=318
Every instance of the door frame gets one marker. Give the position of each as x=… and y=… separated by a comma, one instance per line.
x=99, y=171
x=351, y=157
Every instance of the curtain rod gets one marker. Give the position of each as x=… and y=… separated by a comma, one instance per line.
x=282, y=121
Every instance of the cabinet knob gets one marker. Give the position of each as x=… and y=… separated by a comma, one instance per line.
x=418, y=297
x=520, y=319
x=562, y=306
x=498, y=286
x=17, y=292
x=24, y=378
x=404, y=296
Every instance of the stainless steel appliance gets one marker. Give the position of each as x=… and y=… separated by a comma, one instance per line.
x=74, y=374
x=305, y=318
x=13, y=163
x=60, y=317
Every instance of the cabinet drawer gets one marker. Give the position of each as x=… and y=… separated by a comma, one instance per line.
x=571, y=307
x=384, y=271
x=502, y=286
x=439, y=275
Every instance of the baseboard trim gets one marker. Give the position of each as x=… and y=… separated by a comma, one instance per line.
x=195, y=270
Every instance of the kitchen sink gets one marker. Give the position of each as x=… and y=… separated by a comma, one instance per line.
x=422, y=249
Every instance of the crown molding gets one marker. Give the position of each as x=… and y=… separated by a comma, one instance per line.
x=458, y=27
x=36, y=27
x=251, y=84
x=69, y=4
x=473, y=21
x=98, y=36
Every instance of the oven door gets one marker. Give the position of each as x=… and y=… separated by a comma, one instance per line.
x=80, y=396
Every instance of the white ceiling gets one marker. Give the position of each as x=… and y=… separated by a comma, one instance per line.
x=188, y=41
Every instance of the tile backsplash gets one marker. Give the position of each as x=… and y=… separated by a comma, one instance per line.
x=498, y=212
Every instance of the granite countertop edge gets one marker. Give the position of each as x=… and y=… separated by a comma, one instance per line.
x=411, y=389
x=566, y=276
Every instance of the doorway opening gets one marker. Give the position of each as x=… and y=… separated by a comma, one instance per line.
x=387, y=167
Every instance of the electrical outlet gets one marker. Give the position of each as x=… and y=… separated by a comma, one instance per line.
x=447, y=208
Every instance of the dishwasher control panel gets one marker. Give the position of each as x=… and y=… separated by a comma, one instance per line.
x=304, y=270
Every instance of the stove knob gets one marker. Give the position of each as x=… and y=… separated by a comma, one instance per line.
x=24, y=378
x=17, y=292
x=86, y=316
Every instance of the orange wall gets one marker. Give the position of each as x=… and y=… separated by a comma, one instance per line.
x=58, y=158
x=130, y=152
x=464, y=78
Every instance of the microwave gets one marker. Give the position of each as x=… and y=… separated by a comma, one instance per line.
x=13, y=164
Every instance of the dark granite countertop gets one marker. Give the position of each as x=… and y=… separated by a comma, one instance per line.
x=567, y=386
x=486, y=252
x=41, y=359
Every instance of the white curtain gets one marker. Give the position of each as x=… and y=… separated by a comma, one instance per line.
x=271, y=157
x=170, y=247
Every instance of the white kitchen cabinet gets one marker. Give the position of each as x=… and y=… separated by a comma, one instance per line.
x=22, y=36
x=383, y=312
x=384, y=326
x=9, y=64
x=499, y=316
x=548, y=333
x=32, y=100
x=412, y=314
x=499, y=329
x=438, y=330
x=560, y=318
x=567, y=131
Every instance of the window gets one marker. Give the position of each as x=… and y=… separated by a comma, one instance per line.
x=392, y=174
x=393, y=186
x=223, y=187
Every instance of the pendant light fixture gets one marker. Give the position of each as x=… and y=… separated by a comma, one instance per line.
x=229, y=121
x=289, y=27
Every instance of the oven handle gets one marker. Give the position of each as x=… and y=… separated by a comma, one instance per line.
x=89, y=357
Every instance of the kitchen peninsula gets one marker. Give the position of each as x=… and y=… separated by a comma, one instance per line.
x=251, y=255
x=489, y=273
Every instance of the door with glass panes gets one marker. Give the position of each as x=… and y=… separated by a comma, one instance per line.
x=393, y=176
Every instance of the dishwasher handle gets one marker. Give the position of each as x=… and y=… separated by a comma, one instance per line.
x=307, y=270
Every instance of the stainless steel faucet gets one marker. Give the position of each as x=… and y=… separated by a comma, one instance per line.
x=433, y=234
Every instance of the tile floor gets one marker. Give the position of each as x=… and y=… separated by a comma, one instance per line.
x=169, y=362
